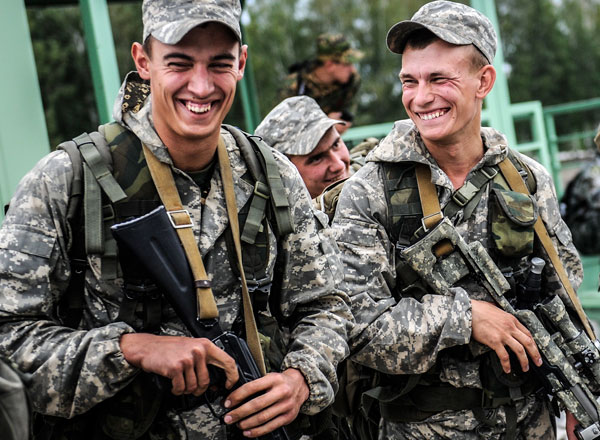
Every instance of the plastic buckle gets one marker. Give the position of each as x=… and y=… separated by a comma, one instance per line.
x=425, y=228
x=179, y=211
x=491, y=174
x=261, y=190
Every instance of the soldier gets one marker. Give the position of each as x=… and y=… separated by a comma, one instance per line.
x=442, y=354
x=298, y=128
x=98, y=380
x=580, y=205
x=330, y=78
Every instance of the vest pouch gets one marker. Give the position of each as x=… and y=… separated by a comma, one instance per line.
x=513, y=215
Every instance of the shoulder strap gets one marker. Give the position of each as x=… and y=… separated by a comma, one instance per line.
x=515, y=181
x=267, y=187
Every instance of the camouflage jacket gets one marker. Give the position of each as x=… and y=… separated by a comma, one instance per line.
x=581, y=204
x=330, y=97
x=407, y=336
x=73, y=370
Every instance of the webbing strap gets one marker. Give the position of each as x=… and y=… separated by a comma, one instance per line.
x=182, y=222
x=249, y=321
x=92, y=210
x=258, y=205
x=281, y=205
x=512, y=176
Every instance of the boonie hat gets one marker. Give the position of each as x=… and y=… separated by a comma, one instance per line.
x=452, y=22
x=336, y=47
x=295, y=126
x=169, y=20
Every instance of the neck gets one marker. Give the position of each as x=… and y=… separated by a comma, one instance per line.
x=193, y=155
x=457, y=159
x=323, y=75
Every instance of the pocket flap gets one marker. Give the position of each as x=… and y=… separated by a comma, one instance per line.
x=519, y=208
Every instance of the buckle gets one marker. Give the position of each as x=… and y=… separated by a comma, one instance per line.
x=189, y=224
x=261, y=190
x=489, y=172
x=108, y=212
x=465, y=194
x=425, y=228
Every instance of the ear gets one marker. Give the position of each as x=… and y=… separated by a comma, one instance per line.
x=141, y=60
x=242, y=62
x=487, y=78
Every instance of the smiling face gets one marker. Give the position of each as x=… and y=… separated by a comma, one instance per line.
x=192, y=83
x=326, y=164
x=443, y=92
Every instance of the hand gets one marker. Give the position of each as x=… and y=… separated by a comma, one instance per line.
x=183, y=360
x=498, y=329
x=571, y=422
x=283, y=395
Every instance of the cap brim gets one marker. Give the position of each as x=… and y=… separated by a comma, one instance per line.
x=399, y=33
x=320, y=129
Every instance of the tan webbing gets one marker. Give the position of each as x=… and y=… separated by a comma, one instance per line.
x=182, y=222
x=430, y=205
x=249, y=321
x=515, y=181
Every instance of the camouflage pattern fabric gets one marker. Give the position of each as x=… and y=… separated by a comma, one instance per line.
x=336, y=47
x=74, y=370
x=334, y=97
x=582, y=208
x=295, y=126
x=453, y=22
x=410, y=335
x=169, y=20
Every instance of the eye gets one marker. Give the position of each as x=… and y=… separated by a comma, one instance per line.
x=179, y=65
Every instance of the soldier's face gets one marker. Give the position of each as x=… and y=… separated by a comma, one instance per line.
x=342, y=72
x=193, y=82
x=326, y=164
x=442, y=92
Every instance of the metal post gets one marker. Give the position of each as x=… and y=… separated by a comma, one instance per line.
x=498, y=100
x=23, y=134
x=101, y=51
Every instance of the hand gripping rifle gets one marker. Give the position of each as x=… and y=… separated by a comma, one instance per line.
x=571, y=361
x=149, y=248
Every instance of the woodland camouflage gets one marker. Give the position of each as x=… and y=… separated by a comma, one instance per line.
x=336, y=47
x=295, y=126
x=453, y=22
x=408, y=336
x=72, y=371
x=169, y=20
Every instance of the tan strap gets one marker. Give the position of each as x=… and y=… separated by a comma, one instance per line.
x=249, y=321
x=182, y=222
x=515, y=181
x=430, y=205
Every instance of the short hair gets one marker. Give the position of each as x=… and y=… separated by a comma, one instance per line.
x=421, y=38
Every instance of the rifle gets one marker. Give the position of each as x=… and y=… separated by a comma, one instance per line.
x=571, y=361
x=149, y=249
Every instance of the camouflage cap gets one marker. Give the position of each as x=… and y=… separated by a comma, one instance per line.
x=336, y=47
x=295, y=126
x=169, y=20
x=452, y=22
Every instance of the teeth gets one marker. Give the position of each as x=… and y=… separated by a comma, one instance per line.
x=434, y=115
x=197, y=108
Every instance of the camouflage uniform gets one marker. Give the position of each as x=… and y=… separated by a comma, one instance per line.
x=582, y=208
x=74, y=370
x=334, y=97
x=411, y=335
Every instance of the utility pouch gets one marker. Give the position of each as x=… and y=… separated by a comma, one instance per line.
x=513, y=215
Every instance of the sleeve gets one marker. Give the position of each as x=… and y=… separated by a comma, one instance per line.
x=318, y=311
x=415, y=331
x=71, y=370
x=560, y=234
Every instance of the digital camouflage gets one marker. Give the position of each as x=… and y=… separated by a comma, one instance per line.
x=169, y=20
x=411, y=335
x=74, y=370
x=295, y=126
x=453, y=22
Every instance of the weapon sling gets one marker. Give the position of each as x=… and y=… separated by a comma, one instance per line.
x=182, y=222
x=431, y=208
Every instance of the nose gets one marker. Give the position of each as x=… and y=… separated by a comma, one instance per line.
x=201, y=83
x=339, y=161
x=423, y=94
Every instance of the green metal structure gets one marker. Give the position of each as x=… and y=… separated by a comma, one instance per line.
x=19, y=89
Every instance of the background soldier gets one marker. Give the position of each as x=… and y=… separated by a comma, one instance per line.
x=298, y=128
x=443, y=355
x=580, y=205
x=331, y=78
x=93, y=378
